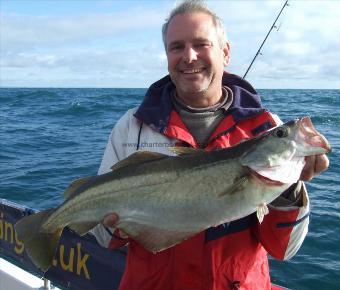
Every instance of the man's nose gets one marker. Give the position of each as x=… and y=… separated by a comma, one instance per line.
x=190, y=54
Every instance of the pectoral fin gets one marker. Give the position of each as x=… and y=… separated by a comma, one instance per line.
x=238, y=185
x=262, y=210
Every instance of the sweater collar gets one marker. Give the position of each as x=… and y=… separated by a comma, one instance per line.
x=157, y=105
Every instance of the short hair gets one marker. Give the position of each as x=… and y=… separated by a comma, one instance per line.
x=196, y=6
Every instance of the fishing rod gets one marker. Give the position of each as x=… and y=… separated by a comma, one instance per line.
x=270, y=30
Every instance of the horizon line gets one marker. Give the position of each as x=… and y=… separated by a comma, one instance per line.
x=145, y=88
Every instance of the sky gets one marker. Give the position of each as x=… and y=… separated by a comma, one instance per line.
x=118, y=44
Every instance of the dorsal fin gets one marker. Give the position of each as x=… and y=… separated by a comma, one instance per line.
x=185, y=150
x=137, y=158
x=75, y=185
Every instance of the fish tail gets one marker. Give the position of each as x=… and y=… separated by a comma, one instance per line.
x=40, y=246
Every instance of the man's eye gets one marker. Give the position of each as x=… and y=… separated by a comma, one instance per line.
x=202, y=45
x=175, y=48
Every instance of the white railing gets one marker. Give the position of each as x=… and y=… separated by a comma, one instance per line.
x=15, y=278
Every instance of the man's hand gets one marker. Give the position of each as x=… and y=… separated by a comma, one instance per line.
x=110, y=220
x=314, y=166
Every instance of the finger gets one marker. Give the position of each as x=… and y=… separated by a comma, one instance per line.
x=110, y=220
x=321, y=163
x=308, y=171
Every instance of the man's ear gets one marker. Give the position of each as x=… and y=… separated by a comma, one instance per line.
x=226, y=54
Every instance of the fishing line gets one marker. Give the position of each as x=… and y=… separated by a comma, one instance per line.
x=270, y=30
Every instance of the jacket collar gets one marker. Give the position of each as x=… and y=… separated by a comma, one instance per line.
x=157, y=106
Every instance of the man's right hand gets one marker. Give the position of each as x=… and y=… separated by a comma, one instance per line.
x=110, y=221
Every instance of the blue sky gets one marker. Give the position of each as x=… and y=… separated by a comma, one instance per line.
x=93, y=43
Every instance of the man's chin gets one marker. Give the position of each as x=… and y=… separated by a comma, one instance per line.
x=191, y=90
x=194, y=85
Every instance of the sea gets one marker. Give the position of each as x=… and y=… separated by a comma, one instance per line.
x=51, y=136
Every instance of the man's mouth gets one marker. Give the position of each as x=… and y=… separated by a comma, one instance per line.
x=191, y=71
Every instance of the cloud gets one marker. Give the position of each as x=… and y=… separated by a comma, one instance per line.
x=123, y=47
x=303, y=51
x=108, y=68
x=51, y=30
x=89, y=48
x=21, y=60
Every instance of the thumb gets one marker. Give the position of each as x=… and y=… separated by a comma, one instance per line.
x=110, y=220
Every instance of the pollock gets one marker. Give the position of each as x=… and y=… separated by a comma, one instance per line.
x=162, y=200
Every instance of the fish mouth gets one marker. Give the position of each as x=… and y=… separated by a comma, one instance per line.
x=308, y=135
x=264, y=179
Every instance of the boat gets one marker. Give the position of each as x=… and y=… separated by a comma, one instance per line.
x=80, y=263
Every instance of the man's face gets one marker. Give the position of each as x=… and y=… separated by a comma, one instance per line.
x=195, y=59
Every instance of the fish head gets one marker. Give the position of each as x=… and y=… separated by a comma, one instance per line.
x=279, y=153
x=308, y=140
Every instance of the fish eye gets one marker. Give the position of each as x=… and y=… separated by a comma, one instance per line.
x=281, y=132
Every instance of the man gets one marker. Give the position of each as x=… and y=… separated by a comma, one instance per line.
x=201, y=106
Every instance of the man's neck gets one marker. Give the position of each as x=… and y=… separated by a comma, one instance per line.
x=201, y=99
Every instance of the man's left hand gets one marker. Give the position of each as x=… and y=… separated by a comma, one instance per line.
x=314, y=166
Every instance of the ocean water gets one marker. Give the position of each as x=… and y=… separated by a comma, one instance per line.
x=49, y=137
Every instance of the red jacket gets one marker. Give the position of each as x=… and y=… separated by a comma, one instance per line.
x=229, y=256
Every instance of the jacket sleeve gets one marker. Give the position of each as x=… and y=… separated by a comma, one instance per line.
x=119, y=146
x=285, y=227
x=116, y=150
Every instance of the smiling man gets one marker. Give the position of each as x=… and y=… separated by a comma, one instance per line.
x=196, y=58
x=200, y=105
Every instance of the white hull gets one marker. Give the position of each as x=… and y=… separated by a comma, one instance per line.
x=15, y=278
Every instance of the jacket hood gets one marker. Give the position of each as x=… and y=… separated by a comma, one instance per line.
x=157, y=106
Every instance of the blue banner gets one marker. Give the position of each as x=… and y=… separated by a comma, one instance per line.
x=79, y=263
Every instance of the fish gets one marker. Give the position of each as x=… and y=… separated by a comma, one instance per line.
x=162, y=200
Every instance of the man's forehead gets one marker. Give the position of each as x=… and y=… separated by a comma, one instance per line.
x=193, y=26
x=194, y=18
